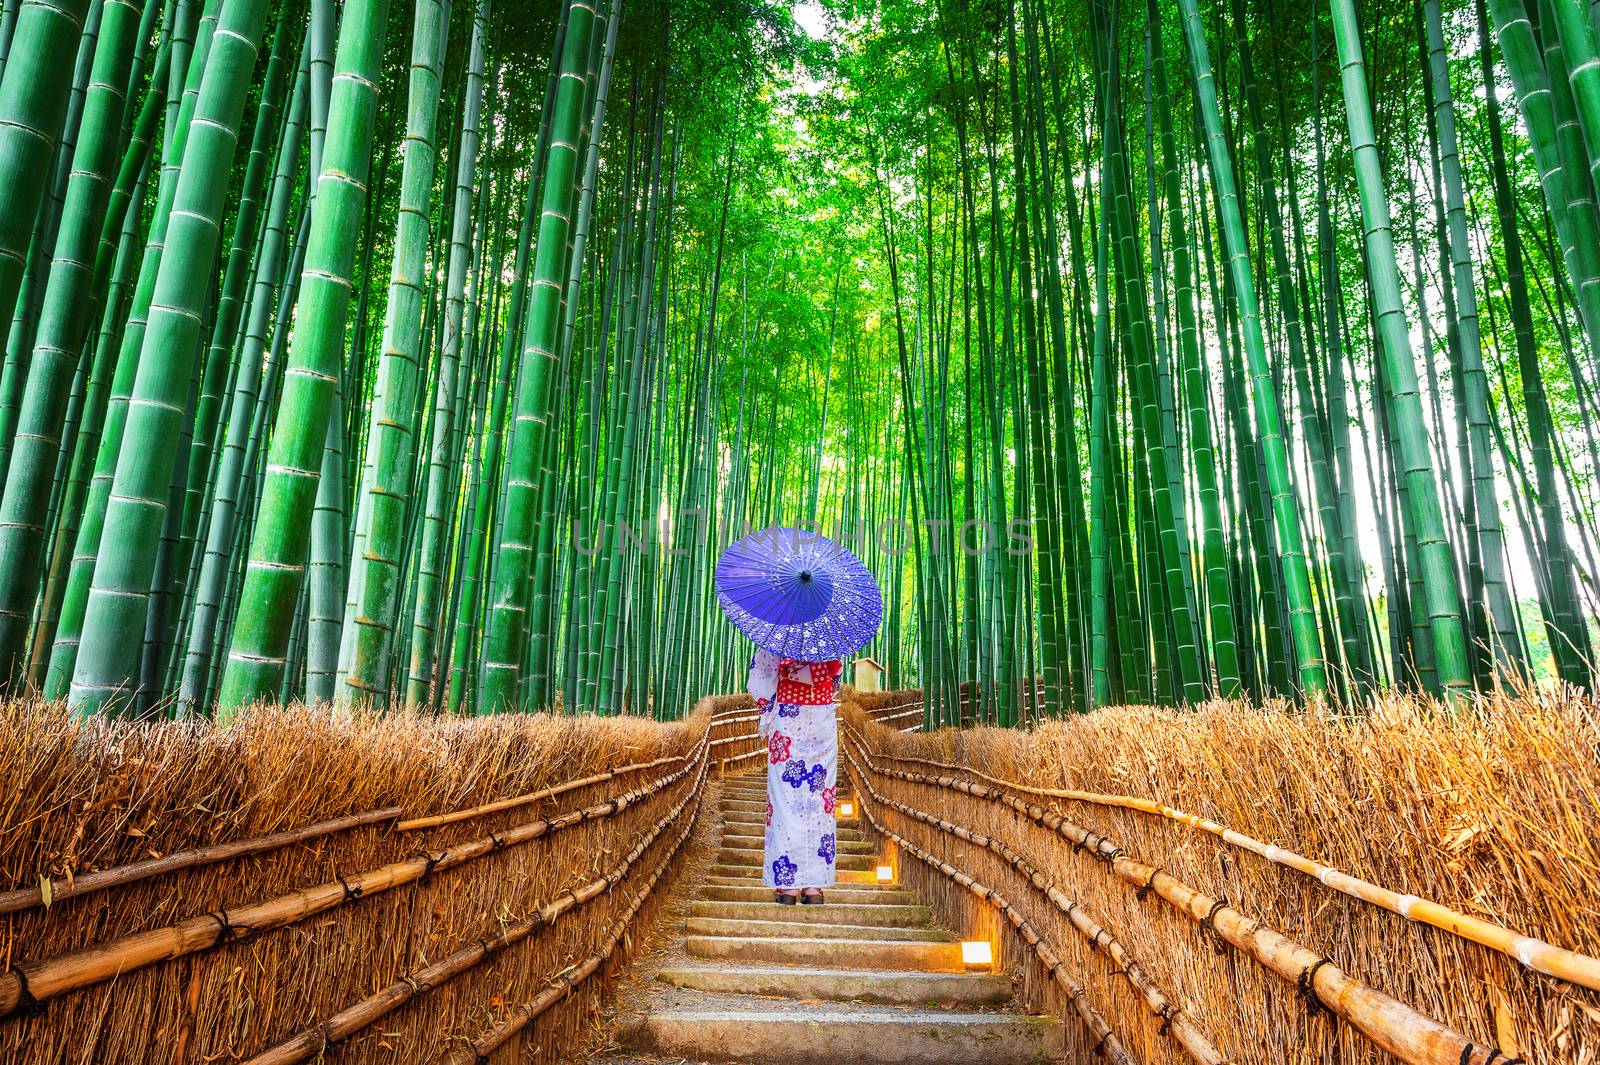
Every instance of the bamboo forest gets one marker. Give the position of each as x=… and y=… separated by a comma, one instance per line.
x=1147, y=351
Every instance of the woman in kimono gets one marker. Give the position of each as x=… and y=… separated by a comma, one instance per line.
x=798, y=703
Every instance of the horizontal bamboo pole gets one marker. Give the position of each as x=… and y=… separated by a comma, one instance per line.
x=1175, y=1022
x=340, y=1026
x=37, y=982
x=478, y=1050
x=1534, y=953
x=73, y=887
x=1389, y=1023
x=725, y=762
x=1105, y=1041
x=535, y=796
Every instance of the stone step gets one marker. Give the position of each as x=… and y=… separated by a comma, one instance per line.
x=806, y=1035
x=836, y=896
x=888, y=987
x=748, y=870
x=725, y=926
x=753, y=879
x=751, y=859
x=903, y=955
x=755, y=843
x=830, y=913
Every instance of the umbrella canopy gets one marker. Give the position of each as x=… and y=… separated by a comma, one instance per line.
x=798, y=594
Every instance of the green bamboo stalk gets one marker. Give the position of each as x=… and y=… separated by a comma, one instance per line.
x=275, y=572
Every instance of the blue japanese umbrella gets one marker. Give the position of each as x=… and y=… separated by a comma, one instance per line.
x=798, y=594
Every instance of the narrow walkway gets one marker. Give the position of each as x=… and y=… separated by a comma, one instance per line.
x=865, y=978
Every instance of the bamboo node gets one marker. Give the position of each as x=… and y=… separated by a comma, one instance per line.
x=1306, y=985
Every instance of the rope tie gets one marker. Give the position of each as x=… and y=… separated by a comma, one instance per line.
x=1099, y=1048
x=27, y=1005
x=1149, y=885
x=349, y=892
x=1495, y=1056
x=496, y=842
x=1167, y=1012
x=430, y=861
x=1109, y=857
x=225, y=928
x=1306, y=985
x=1210, y=924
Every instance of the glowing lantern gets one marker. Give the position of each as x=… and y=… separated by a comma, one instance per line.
x=847, y=808
x=977, y=952
x=885, y=873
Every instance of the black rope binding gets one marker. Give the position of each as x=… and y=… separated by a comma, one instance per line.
x=226, y=928
x=27, y=1005
x=1149, y=885
x=1210, y=924
x=496, y=842
x=1166, y=1013
x=1305, y=983
x=430, y=862
x=349, y=892
x=1099, y=1048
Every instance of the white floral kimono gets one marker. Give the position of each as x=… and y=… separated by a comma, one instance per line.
x=798, y=703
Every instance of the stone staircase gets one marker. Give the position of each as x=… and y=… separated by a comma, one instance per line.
x=866, y=978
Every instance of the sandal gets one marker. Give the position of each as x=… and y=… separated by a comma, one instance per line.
x=784, y=900
x=812, y=900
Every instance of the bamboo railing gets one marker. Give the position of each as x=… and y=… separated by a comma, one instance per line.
x=1174, y=1019
x=409, y=931
x=1526, y=950
x=1087, y=856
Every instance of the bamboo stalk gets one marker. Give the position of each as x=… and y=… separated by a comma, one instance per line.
x=340, y=1026
x=38, y=982
x=1175, y=1022
x=1387, y=1022
x=1527, y=950
x=531, y=797
x=27, y=898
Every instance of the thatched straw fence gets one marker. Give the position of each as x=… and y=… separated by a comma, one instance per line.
x=1256, y=886
x=312, y=886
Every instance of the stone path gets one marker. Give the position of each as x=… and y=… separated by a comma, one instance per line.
x=866, y=978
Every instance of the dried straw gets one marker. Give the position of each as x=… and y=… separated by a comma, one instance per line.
x=1488, y=811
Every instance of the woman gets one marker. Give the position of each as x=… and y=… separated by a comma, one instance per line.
x=798, y=702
